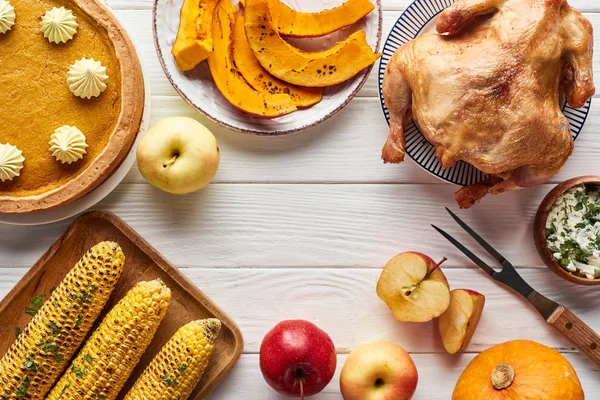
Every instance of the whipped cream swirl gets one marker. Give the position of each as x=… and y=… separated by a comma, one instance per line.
x=11, y=162
x=87, y=78
x=68, y=144
x=59, y=25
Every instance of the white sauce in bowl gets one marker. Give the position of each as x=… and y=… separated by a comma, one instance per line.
x=573, y=231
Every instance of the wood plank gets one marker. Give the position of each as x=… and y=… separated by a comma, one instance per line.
x=344, y=303
x=246, y=382
x=139, y=22
x=392, y=5
x=300, y=225
x=344, y=149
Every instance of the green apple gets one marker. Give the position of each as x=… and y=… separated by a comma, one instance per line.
x=379, y=371
x=178, y=155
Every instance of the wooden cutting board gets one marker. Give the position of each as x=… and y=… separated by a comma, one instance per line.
x=142, y=263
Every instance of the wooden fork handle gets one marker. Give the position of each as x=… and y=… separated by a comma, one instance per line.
x=574, y=329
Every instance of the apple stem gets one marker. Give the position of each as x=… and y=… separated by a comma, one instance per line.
x=301, y=390
x=438, y=265
x=171, y=161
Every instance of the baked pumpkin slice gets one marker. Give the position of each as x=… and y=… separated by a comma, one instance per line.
x=229, y=79
x=194, y=42
x=260, y=79
x=293, y=23
x=295, y=66
x=37, y=100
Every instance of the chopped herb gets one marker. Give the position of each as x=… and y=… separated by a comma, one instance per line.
x=31, y=310
x=64, y=389
x=22, y=389
x=78, y=322
x=17, y=332
x=54, y=327
x=50, y=348
x=36, y=304
x=52, y=289
x=78, y=372
x=88, y=358
x=30, y=365
x=37, y=301
x=168, y=381
x=58, y=358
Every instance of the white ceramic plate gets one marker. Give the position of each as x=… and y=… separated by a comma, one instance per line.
x=421, y=17
x=197, y=87
x=91, y=199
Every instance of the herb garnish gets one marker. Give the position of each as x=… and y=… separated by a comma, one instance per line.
x=172, y=382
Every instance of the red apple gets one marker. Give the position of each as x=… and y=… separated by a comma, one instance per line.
x=297, y=358
x=379, y=371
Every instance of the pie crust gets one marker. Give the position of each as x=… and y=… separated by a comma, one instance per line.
x=120, y=140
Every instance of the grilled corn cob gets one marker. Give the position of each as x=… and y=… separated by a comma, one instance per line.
x=179, y=366
x=111, y=353
x=43, y=350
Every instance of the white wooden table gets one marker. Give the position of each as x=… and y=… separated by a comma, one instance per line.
x=300, y=227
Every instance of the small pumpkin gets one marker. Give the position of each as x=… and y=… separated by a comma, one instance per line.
x=194, y=38
x=519, y=370
x=260, y=79
x=293, y=23
x=292, y=65
x=230, y=81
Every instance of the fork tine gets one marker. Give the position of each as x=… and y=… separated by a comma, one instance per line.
x=493, y=252
x=479, y=262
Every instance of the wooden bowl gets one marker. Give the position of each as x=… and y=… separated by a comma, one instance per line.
x=539, y=229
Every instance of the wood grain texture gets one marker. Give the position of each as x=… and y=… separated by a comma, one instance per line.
x=241, y=243
x=344, y=303
x=142, y=263
x=345, y=149
x=578, y=332
x=302, y=225
x=246, y=382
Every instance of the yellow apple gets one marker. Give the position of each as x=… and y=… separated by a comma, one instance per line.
x=460, y=320
x=379, y=371
x=178, y=155
x=414, y=288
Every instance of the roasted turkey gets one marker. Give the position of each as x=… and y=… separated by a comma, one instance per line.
x=485, y=89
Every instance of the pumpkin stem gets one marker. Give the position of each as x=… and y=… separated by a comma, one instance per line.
x=502, y=376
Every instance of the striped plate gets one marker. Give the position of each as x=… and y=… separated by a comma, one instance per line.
x=419, y=17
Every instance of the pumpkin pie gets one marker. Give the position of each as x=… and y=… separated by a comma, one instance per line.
x=36, y=100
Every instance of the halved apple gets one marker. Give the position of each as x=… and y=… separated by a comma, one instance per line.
x=460, y=320
x=414, y=288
